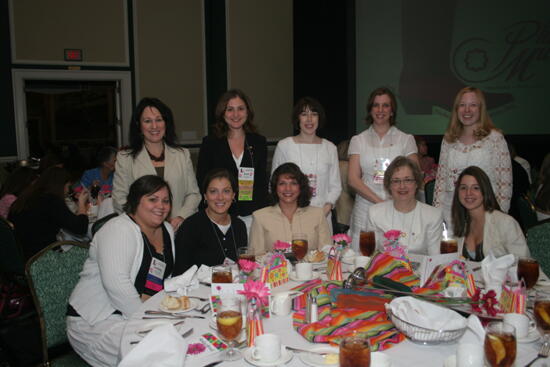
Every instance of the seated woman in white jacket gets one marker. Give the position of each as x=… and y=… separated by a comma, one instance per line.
x=421, y=225
x=478, y=222
x=129, y=259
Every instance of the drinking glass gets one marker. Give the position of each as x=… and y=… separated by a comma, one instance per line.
x=447, y=246
x=367, y=243
x=229, y=321
x=246, y=254
x=222, y=274
x=500, y=344
x=542, y=313
x=299, y=245
x=354, y=352
x=528, y=269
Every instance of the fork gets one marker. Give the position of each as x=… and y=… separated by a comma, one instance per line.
x=306, y=351
x=543, y=353
x=202, y=299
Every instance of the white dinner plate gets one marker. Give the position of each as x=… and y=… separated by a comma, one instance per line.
x=315, y=360
x=314, y=275
x=193, y=303
x=286, y=356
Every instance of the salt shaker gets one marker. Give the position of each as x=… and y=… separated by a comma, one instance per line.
x=311, y=309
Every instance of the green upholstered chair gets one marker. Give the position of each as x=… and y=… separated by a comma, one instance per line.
x=52, y=276
x=429, y=192
x=527, y=212
x=538, y=241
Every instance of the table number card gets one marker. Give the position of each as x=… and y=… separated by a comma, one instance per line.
x=275, y=273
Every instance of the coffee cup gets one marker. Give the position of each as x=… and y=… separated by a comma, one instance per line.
x=469, y=355
x=521, y=322
x=267, y=348
x=379, y=359
x=361, y=261
x=281, y=303
x=304, y=271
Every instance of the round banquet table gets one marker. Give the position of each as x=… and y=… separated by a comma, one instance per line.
x=404, y=354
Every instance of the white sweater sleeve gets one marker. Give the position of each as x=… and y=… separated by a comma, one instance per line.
x=334, y=184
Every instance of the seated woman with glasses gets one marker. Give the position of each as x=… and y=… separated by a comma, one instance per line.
x=290, y=215
x=478, y=222
x=421, y=225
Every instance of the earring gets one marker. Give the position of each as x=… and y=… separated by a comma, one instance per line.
x=205, y=202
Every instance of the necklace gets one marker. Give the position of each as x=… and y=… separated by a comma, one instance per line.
x=218, y=238
x=160, y=158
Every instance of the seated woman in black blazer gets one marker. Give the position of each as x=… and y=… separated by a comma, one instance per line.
x=212, y=234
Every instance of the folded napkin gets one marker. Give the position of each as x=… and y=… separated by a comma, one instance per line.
x=494, y=270
x=162, y=347
x=426, y=314
x=183, y=283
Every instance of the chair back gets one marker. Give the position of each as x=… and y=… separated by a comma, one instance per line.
x=429, y=191
x=101, y=221
x=11, y=254
x=52, y=276
x=538, y=241
x=527, y=212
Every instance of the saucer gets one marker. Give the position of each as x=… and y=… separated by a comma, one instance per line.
x=286, y=355
x=533, y=335
x=292, y=276
x=315, y=360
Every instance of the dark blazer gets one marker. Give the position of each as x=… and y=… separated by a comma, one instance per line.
x=215, y=153
x=199, y=241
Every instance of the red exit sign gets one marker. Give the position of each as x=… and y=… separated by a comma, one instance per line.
x=73, y=54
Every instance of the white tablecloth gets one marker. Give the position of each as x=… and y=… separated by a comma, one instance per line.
x=405, y=354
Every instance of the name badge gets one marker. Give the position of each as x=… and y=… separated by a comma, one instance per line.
x=155, y=275
x=312, y=177
x=246, y=183
x=380, y=166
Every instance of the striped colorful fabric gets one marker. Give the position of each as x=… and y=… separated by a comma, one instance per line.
x=393, y=268
x=318, y=288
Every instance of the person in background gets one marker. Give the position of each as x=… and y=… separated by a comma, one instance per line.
x=153, y=151
x=542, y=197
x=421, y=225
x=316, y=157
x=472, y=139
x=344, y=204
x=427, y=163
x=129, y=258
x=479, y=224
x=18, y=180
x=522, y=161
x=290, y=214
x=102, y=175
x=370, y=154
x=520, y=187
x=211, y=235
x=40, y=211
x=237, y=147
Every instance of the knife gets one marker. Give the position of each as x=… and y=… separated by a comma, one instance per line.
x=213, y=364
x=175, y=317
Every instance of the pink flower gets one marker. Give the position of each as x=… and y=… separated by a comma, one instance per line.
x=247, y=266
x=392, y=234
x=342, y=237
x=195, y=348
x=256, y=289
x=280, y=245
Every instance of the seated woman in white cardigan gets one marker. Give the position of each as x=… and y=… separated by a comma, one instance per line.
x=421, y=225
x=478, y=222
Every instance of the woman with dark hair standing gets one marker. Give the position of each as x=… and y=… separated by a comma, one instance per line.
x=40, y=211
x=237, y=147
x=370, y=154
x=316, y=157
x=153, y=151
x=478, y=221
x=18, y=181
x=129, y=258
x=211, y=235
x=290, y=214
x=472, y=139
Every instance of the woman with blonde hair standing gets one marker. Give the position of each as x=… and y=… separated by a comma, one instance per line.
x=472, y=139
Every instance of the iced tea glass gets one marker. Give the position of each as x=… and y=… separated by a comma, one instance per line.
x=222, y=274
x=500, y=344
x=229, y=321
x=354, y=352
x=299, y=245
x=448, y=246
x=244, y=253
x=542, y=313
x=528, y=269
x=367, y=243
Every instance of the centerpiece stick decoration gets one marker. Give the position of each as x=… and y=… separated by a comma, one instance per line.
x=257, y=296
x=334, y=263
x=247, y=267
x=392, y=246
x=275, y=270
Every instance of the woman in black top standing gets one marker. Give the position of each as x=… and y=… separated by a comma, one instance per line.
x=237, y=147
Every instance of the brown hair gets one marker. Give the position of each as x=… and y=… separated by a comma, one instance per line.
x=293, y=171
x=393, y=102
x=455, y=128
x=398, y=162
x=304, y=104
x=220, y=125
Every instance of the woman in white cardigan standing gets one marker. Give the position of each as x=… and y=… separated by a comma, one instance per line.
x=316, y=157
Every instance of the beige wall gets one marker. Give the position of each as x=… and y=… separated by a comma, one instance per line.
x=260, y=59
x=41, y=30
x=169, y=47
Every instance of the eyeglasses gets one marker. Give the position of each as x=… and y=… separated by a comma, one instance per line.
x=405, y=181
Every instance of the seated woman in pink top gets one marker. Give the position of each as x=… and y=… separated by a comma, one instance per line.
x=15, y=184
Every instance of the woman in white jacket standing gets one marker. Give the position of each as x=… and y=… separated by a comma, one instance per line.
x=129, y=258
x=316, y=157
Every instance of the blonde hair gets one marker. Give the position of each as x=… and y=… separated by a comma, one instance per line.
x=455, y=128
